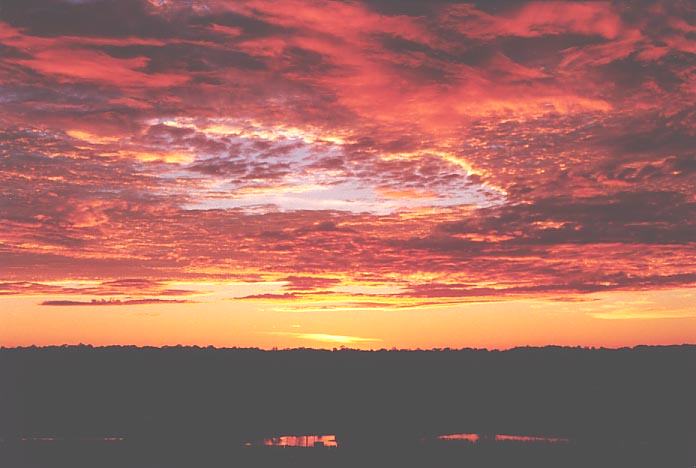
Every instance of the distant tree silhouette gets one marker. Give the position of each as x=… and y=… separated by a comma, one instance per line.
x=181, y=402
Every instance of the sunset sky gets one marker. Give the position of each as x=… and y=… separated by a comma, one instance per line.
x=369, y=174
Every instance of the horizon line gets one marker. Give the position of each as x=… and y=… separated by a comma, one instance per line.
x=344, y=348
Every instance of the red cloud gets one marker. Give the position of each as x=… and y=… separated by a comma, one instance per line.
x=534, y=19
x=451, y=151
x=71, y=58
x=98, y=67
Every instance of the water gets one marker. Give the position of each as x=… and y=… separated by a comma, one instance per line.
x=328, y=440
x=476, y=438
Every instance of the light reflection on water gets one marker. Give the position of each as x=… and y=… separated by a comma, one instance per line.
x=518, y=438
x=475, y=438
x=327, y=440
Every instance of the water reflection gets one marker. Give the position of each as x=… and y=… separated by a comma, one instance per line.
x=475, y=438
x=328, y=440
x=519, y=438
x=71, y=439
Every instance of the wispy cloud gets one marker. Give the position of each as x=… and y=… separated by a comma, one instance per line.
x=113, y=302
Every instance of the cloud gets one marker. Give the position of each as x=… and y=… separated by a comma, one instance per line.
x=118, y=287
x=112, y=302
x=532, y=19
x=449, y=151
x=642, y=315
x=305, y=283
x=624, y=217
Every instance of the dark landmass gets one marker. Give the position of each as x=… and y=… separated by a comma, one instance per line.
x=197, y=407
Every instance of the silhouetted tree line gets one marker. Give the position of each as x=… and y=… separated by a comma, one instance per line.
x=174, y=397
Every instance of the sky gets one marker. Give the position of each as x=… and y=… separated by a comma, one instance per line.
x=368, y=174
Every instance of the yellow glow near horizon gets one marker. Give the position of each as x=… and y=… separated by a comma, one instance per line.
x=611, y=319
